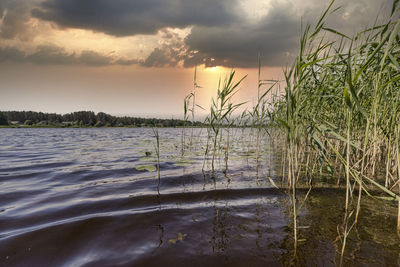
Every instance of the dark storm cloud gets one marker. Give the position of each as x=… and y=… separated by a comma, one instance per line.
x=275, y=36
x=131, y=17
x=58, y=56
x=238, y=45
x=221, y=34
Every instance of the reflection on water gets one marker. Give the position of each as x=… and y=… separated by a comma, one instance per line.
x=74, y=197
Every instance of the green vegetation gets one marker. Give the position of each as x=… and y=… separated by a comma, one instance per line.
x=220, y=112
x=149, y=168
x=157, y=150
x=3, y=119
x=85, y=119
x=338, y=117
x=341, y=109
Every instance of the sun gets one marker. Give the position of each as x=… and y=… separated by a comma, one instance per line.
x=213, y=69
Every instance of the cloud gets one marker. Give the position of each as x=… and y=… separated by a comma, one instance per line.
x=50, y=55
x=92, y=58
x=11, y=54
x=131, y=17
x=16, y=19
x=169, y=54
x=126, y=62
x=222, y=32
x=54, y=55
x=275, y=35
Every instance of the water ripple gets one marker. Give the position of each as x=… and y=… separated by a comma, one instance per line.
x=74, y=197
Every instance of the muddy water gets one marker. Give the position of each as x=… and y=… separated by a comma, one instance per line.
x=83, y=197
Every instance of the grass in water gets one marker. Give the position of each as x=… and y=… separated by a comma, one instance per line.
x=339, y=113
x=341, y=100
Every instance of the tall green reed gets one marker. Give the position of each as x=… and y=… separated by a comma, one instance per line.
x=341, y=100
x=221, y=110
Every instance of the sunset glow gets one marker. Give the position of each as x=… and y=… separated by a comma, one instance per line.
x=212, y=69
x=136, y=54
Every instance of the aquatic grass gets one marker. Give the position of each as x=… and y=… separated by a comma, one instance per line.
x=341, y=101
x=337, y=117
x=157, y=150
x=193, y=98
x=260, y=114
x=189, y=105
x=186, y=104
x=221, y=110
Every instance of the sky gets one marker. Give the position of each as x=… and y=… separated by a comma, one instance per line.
x=137, y=57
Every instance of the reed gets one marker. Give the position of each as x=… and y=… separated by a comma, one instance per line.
x=157, y=150
x=339, y=114
x=341, y=100
x=260, y=115
x=221, y=110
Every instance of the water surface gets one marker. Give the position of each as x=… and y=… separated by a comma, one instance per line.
x=74, y=197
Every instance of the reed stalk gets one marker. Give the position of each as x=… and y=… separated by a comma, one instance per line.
x=157, y=150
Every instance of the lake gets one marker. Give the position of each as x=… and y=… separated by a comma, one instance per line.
x=89, y=197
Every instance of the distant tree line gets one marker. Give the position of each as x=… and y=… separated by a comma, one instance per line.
x=86, y=119
x=3, y=119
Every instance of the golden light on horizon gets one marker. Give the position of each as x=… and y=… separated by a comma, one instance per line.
x=212, y=69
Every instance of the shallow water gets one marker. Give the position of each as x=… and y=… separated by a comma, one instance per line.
x=74, y=197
